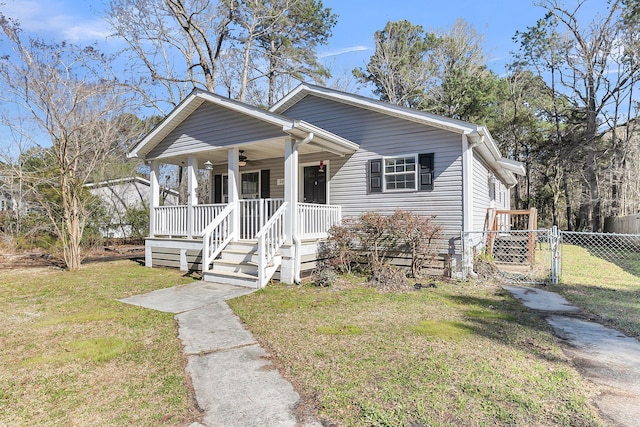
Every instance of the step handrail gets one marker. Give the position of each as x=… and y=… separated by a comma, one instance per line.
x=270, y=238
x=216, y=236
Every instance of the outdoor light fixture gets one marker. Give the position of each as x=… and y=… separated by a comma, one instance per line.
x=242, y=159
x=208, y=165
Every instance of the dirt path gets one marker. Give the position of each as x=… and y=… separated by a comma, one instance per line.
x=10, y=261
x=603, y=355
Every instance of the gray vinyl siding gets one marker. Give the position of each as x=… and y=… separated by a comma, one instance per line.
x=381, y=135
x=276, y=168
x=481, y=193
x=211, y=126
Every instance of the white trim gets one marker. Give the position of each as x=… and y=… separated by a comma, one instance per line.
x=479, y=135
x=441, y=122
x=415, y=174
x=296, y=128
x=467, y=185
x=242, y=172
x=301, y=167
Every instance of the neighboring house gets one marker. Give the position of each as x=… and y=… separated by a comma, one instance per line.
x=6, y=199
x=281, y=178
x=13, y=197
x=120, y=195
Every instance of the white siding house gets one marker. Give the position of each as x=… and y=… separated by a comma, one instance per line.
x=280, y=178
x=120, y=195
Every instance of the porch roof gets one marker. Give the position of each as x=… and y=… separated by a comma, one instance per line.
x=269, y=147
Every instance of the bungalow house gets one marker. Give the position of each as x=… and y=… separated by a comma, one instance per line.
x=280, y=178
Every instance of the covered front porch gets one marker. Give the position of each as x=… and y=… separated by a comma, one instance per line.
x=268, y=190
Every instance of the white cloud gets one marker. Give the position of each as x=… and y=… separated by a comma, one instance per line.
x=49, y=19
x=343, y=51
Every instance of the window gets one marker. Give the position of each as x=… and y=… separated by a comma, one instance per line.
x=250, y=188
x=252, y=185
x=400, y=173
x=411, y=172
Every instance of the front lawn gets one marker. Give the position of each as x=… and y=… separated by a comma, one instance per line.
x=458, y=354
x=609, y=292
x=73, y=355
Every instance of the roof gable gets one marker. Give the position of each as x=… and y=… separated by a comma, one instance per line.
x=479, y=136
x=267, y=124
x=441, y=122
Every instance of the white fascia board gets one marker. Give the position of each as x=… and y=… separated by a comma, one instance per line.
x=165, y=126
x=512, y=165
x=343, y=145
x=190, y=104
x=246, y=109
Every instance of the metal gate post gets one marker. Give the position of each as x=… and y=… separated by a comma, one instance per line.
x=554, y=243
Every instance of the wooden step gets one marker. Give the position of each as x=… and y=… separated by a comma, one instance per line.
x=236, y=267
x=231, y=278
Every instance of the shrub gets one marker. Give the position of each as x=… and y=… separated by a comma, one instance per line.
x=389, y=278
x=324, y=277
x=374, y=238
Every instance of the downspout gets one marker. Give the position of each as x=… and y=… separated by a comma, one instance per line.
x=294, y=235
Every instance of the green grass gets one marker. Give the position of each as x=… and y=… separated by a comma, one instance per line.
x=459, y=354
x=73, y=355
x=603, y=289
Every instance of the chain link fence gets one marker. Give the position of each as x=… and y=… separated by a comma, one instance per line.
x=623, y=250
x=523, y=256
x=538, y=256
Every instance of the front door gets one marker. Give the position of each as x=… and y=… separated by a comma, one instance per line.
x=315, y=185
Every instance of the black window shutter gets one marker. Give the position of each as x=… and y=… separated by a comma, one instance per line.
x=375, y=176
x=265, y=183
x=217, y=189
x=426, y=171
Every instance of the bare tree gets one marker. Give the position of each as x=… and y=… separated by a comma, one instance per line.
x=74, y=102
x=177, y=44
x=591, y=52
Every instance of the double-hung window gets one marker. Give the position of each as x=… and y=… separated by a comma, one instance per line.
x=413, y=172
x=400, y=173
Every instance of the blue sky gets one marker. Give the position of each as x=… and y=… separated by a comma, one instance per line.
x=352, y=42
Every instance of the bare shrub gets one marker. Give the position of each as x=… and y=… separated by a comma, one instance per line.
x=368, y=243
x=389, y=278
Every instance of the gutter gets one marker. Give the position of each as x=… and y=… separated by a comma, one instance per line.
x=294, y=234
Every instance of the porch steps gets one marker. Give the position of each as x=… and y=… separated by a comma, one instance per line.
x=237, y=265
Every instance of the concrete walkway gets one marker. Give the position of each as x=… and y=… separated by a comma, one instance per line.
x=603, y=355
x=234, y=382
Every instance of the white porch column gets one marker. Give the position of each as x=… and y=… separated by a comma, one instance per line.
x=154, y=202
x=287, y=269
x=192, y=192
x=210, y=181
x=233, y=177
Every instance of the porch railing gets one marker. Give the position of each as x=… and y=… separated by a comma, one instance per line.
x=254, y=214
x=203, y=215
x=270, y=238
x=171, y=220
x=316, y=220
x=216, y=236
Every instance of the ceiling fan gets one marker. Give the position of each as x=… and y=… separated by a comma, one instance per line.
x=242, y=159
